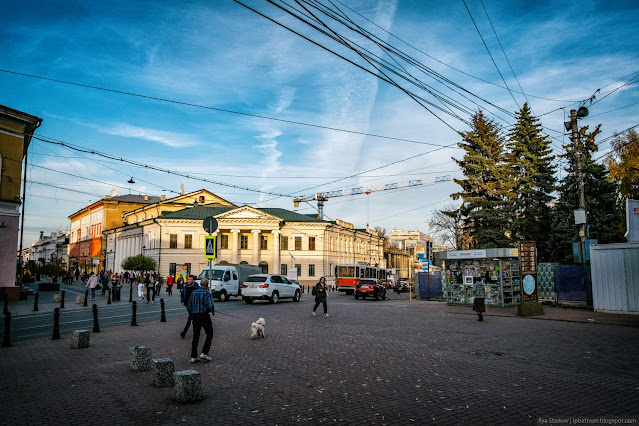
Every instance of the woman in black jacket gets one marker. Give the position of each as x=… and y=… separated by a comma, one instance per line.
x=319, y=291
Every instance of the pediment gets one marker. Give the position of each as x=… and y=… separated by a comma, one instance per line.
x=247, y=213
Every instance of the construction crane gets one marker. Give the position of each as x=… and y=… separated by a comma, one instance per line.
x=322, y=197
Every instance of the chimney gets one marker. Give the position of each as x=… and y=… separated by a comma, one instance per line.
x=181, y=189
x=41, y=234
x=163, y=197
x=146, y=198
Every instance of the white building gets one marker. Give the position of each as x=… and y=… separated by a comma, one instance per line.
x=275, y=239
x=52, y=248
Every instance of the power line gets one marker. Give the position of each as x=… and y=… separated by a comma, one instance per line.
x=264, y=117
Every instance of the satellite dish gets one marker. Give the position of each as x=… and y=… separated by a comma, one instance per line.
x=113, y=193
x=582, y=112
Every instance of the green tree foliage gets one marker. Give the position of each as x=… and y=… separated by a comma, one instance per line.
x=484, y=210
x=601, y=196
x=531, y=172
x=623, y=164
x=138, y=263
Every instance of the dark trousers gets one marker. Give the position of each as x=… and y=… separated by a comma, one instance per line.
x=148, y=294
x=323, y=302
x=188, y=323
x=201, y=321
x=169, y=290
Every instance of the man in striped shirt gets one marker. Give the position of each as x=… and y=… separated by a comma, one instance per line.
x=200, y=304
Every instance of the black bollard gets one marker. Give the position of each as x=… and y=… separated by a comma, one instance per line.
x=96, y=326
x=86, y=296
x=35, y=302
x=109, y=299
x=134, y=307
x=6, y=304
x=163, y=314
x=56, y=324
x=131, y=292
x=62, y=300
x=6, y=341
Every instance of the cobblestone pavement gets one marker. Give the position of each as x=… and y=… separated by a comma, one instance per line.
x=391, y=362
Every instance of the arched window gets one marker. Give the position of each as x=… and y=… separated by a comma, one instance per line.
x=264, y=267
x=244, y=262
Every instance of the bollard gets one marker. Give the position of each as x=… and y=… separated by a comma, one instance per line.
x=62, y=300
x=96, y=325
x=35, y=302
x=56, y=324
x=131, y=292
x=163, y=315
x=109, y=299
x=86, y=296
x=134, y=307
x=6, y=304
x=6, y=341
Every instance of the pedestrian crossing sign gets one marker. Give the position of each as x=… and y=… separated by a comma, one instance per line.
x=210, y=247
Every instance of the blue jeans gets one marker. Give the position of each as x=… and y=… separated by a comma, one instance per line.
x=93, y=293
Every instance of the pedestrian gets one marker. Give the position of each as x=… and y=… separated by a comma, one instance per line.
x=92, y=283
x=180, y=283
x=158, y=283
x=185, y=296
x=169, y=285
x=140, y=281
x=150, y=287
x=319, y=291
x=200, y=305
x=479, y=302
x=77, y=274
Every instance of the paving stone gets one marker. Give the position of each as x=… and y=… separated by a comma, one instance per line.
x=80, y=339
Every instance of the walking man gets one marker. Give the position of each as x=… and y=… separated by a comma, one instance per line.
x=92, y=283
x=200, y=305
x=169, y=285
x=185, y=297
x=150, y=287
x=319, y=291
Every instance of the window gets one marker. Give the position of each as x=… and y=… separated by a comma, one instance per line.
x=244, y=242
x=263, y=243
x=172, y=268
x=201, y=199
x=299, y=269
x=173, y=241
x=264, y=267
x=188, y=241
x=284, y=269
x=311, y=243
x=298, y=243
x=234, y=276
x=311, y=270
x=276, y=279
x=284, y=243
x=224, y=241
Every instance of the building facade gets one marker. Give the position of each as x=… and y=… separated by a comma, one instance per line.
x=277, y=240
x=16, y=130
x=53, y=248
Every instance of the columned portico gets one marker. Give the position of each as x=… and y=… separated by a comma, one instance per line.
x=276, y=251
x=256, y=246
x=235, y=253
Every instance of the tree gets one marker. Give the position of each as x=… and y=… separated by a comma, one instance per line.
x=446, y=225
x=623, y=164
x=600, y=194
x=382, y=233
x=484, y=210
x=531, y=172
x=138, y=263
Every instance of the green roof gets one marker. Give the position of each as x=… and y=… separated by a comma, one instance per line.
x=199, y=212
x=289, y=216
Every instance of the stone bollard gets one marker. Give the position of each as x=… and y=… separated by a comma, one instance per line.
x=96, y=325
x=163, y=370
x=86, y=296
x=131, y=292
x=109, y=299
x=163, y=314
x=134, y=308
x=80, y=339
x=56, y=324
x=56, y=298
x=62, y=300
x=6, y=340
x=140, y=358
x=35, y=302
x=188, y=386
x=78, y=299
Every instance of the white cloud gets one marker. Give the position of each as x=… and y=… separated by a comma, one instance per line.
x=172, y=139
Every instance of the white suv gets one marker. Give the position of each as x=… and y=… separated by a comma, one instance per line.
x=269, y=287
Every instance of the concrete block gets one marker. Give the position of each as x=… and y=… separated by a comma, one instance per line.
x=188, y=386
x=57, y=298
x=530, y=309
x=163, y=370
x=141, y=358
x=80, y=339
x=79, y=300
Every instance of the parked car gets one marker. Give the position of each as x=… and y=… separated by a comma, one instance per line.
x=269, y=287
x=227, y=280
x=404, y=286
x=370, y=287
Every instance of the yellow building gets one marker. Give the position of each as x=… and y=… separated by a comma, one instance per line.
x=16, y=130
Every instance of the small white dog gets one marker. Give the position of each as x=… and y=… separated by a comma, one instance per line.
x=257, y=329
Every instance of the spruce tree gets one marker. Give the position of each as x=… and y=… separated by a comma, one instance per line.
x=486, y=187
x=600, y=194
x=531, y=172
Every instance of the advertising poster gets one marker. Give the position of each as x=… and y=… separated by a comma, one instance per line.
x=181, y=271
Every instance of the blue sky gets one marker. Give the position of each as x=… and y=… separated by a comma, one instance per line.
x=222, y=55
